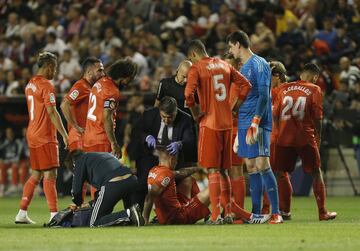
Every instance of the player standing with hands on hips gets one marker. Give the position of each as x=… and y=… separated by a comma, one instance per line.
x=255, y=122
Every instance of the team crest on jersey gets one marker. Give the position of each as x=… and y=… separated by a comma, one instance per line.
x=74, y=94
x=52, y=98
x=165, y=182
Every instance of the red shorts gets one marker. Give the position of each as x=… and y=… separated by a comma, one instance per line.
x=76, y=145
x=215, y=148
x=102, y=148
x=272, y=155
x=286, y=157
x=44, y=157
x=235, y=159
x=183, y=199
x=190, y=212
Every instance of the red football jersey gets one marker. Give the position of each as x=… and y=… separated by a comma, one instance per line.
x=297, y=106
x=78, y=96
x=167, y=204
x=274, y=96
x=39, y=95
x=212, y=78
x=103, y=93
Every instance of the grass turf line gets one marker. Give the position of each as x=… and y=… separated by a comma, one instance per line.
x=304, y=232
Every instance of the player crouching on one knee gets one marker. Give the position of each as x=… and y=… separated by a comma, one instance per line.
x=113, y=182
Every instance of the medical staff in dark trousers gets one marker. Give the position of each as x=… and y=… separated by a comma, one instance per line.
x=113, y=181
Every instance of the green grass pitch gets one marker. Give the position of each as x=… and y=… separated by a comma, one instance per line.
x=303, y=232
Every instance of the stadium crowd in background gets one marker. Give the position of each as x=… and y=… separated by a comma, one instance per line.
x=155, y=34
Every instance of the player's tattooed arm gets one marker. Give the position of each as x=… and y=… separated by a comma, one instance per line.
x=66, y=110
x=109, y=129
x=196, y=112
x=153, y=192
x=185, y=172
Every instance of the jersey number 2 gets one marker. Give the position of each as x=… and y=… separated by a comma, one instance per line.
x=92, y=102
x=297, y=109
x=219, y=87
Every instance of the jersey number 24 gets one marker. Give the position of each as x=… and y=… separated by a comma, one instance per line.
x=293, y=109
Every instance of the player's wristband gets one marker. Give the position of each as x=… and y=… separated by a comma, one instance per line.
x=255, y=121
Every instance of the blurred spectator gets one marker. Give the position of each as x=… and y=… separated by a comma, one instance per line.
x=350, y=74
x=138, y=58
x=310, y=30
x=283, y=17
x=110, y=40
x=6, y=63
x=328, y=33
x=69, y=67
x=262, y=38
x=138, y=7
x=12, y=83
x=75, y=20
x=54, y=44
x=13, y=27
x=11, y=149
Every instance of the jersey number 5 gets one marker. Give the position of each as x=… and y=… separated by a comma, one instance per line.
x=220, y=89
x=92, y=103
x=297, y=110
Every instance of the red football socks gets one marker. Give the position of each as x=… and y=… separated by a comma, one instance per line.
x=238, y=188
x=215, y=193
x=28, y=192
x=225, y=186
x=50, y=194
x=320, y=195
x=285, y=192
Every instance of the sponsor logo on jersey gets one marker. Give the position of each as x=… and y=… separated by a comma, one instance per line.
x=152, y=175
x=74, y=94
x=165, y=182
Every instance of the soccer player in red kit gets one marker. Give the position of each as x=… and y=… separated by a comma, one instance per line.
x=162, y=192
x=298, y=116
x=44, y=120
x=75, y=103
x=211, y=78
x=278, y=77
x=171, y=206
x=238, y=186
x=104, y=98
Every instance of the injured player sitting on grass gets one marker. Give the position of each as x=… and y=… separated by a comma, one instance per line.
x=180, y=207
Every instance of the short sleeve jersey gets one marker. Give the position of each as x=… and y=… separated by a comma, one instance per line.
x=40, y=94
x=212, y=78
x=78, y=96
x=104, y=94
x=297, y=106
x=167, y=203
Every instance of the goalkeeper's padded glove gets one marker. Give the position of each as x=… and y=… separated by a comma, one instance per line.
x=236, y=144
x=252, y=132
